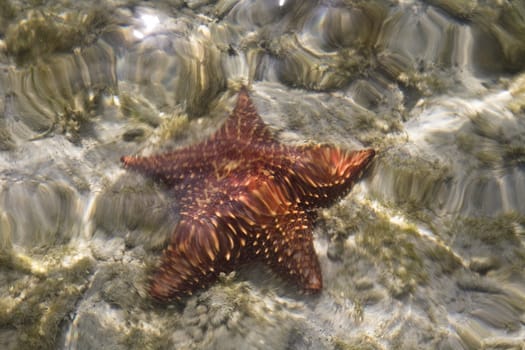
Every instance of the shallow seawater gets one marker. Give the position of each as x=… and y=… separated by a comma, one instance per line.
x=426, y=252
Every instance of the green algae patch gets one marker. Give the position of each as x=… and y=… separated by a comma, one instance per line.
x=413, y=182
x=43, y=33
x=491, y=231
x=341, y=50
x=7, y=13
x=376, y=248
x=52, y=102
x=138, y=108
x=18, y=262
x=138, y=338
x=175, y=127
x=514, y=155
x=441, y=259
x=461, y=9
x=325, y=72
x=40, y=294
x=494, y=142
x=361, y=343
x=395, y=248
x=7, y=143
x=487, y=236
x=425, y=82
x=343, y=219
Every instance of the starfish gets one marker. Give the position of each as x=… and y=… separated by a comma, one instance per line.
x=243, y=196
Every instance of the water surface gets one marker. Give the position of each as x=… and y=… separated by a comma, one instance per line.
x=427, y=252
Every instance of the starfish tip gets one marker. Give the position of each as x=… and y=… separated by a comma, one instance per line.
x=367, y=155
x=315, y=284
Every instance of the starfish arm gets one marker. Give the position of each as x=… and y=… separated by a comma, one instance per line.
x=195, y=256
x=288, y=249
x=244, y=125
x=323, y=173
x=173, y=167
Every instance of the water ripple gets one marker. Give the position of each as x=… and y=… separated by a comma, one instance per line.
x=427, y=252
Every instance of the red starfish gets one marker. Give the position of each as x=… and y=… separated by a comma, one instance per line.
x=244, y=196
